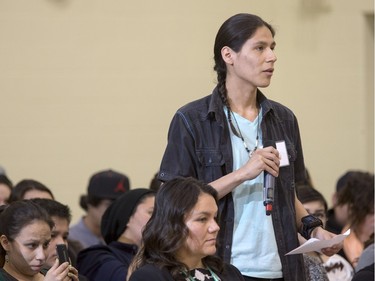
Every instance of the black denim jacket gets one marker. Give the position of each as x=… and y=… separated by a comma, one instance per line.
x=199, y=146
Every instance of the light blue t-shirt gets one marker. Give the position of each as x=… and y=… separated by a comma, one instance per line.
x=254, y=249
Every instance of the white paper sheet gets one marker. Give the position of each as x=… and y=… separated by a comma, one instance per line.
x=316, y=245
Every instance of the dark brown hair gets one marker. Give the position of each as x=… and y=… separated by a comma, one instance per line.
x=166, y=231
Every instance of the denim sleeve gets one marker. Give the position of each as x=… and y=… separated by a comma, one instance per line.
x=179, y=157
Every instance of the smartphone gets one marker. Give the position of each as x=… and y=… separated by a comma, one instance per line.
x=62, y=253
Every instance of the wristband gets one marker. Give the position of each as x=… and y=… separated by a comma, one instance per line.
x=309, y=223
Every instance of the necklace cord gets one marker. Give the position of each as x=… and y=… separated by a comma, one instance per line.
x=238, y=132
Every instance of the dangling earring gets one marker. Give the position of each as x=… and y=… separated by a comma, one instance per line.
x=6, y=258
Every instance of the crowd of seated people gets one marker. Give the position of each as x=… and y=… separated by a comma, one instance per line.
x=119, y=252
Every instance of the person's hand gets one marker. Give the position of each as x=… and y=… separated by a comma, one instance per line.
x=263, y=159
x=73, y=273
x=63, y=272
x=323, y=234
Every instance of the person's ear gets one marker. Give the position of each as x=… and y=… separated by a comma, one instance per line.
x=4, y=242
x=227, y=54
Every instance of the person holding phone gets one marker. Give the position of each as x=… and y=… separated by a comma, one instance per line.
x=25, y=232
x=59, y=243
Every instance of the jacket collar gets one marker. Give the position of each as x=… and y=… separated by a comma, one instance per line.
x=215, y=109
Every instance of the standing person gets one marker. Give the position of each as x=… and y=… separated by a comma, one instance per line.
x=224, y=140
x=121, y=227
x=25, y=232
x=179, y=241
x=104, y=187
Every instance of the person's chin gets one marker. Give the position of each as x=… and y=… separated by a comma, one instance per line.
x=211, y=251
x=264, y=84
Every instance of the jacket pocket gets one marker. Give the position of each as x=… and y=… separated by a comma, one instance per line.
x=211, y=164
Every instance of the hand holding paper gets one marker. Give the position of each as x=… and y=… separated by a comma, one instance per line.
x=316, y=245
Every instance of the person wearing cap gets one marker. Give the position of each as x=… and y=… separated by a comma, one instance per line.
x=121, y=228
x=103, y=188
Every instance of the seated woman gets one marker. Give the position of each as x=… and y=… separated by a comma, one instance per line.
x=121, y=228
x=25, y=232
x=179, y=241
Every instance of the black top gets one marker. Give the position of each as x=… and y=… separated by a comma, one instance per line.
x=5, y=276
x=365, y=274
x=106, y=262
x=151, y=272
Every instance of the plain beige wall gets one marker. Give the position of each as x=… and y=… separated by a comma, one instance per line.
x=88, y=85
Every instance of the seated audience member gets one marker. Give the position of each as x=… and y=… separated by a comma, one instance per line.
x=61, y=216
x=6, y=187
x=25, y=232
x=121, y=227
x=104, y=187
x=179, y=241
x=358, y=197
x=29, y=188
x=336, y=268
x=337, y=216
x=32, y=189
